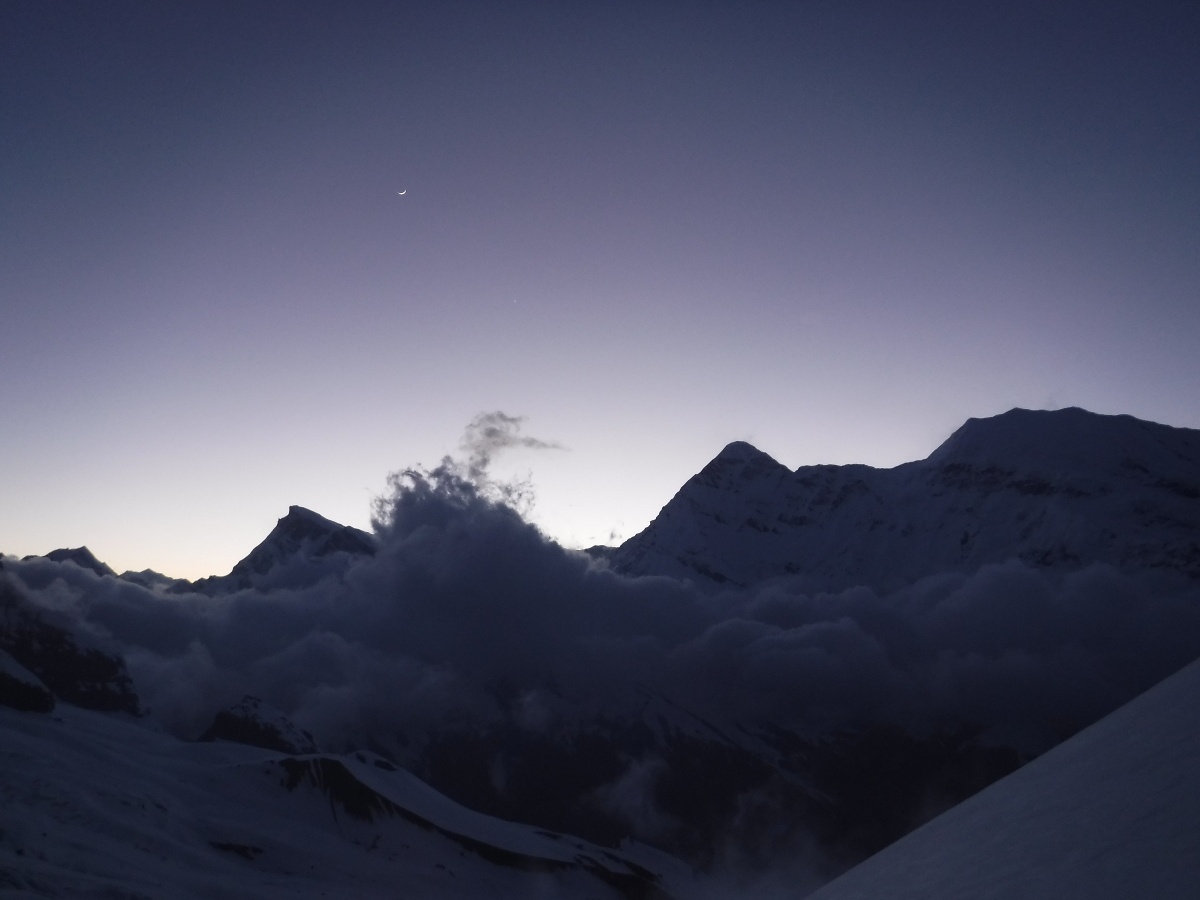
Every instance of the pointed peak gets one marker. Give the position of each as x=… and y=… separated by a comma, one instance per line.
x=742, y=452
x=304, y=514
x=302, y=532
x=302, y=523
x=741, y=460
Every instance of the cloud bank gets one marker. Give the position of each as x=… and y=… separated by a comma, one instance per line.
x=469, y=616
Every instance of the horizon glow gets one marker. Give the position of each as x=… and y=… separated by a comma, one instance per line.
x=835, y=233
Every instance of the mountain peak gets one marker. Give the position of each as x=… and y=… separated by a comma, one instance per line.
x=304, y=529
x=746, y=456
x=304, y=514
x=301, y=535
x=741, y=451
x=80, y=556
x=740, y=462
x=1070, y=439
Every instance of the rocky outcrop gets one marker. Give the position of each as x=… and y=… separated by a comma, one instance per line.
x=258, y=724
x=20, y=689
x=74, y=673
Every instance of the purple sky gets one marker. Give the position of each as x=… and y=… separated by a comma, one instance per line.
x=836, y=230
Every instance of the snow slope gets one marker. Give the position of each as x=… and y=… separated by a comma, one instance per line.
x=1064, y=488
x=99, y=805
x=1114, y=812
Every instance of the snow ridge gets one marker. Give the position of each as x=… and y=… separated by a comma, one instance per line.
x=1060, y=489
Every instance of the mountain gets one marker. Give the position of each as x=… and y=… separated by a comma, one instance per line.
x=1054, y=489
x=80, y=556
x=1114, y=812
x=713, y=793
x=96, y=805
x=298, y=550
x=302, y=548
x=48, y=656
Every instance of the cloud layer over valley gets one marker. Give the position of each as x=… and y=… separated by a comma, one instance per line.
x=461, y=641
x=468, y=614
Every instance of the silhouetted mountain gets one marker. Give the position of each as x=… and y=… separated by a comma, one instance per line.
x=299, y=539
x=80, y=556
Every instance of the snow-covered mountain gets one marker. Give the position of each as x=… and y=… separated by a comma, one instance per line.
x=1110, y=814
x=1061, y=489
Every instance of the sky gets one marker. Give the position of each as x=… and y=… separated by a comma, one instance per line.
x=835, y=230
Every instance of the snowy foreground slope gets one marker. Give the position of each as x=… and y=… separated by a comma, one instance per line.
x=95, y=805
x=1114, y=812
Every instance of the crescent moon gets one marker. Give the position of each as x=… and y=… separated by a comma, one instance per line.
x=403, y=192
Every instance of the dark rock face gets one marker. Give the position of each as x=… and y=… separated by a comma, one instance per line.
x=256, y=724
x=880, y=783
x=83, y=676
x=713, y=801
x=20, y=689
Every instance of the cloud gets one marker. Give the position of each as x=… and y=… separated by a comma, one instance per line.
x=490, y=434
x=631, y=798
x=487, y=436
x=466, y=605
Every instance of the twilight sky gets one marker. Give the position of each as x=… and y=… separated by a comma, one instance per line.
x=833, y=229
